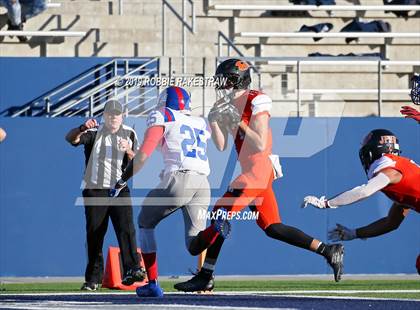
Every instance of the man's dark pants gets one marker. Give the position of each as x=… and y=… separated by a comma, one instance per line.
x=97, y=217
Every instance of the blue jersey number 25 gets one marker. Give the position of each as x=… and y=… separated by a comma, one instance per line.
x=193, y=140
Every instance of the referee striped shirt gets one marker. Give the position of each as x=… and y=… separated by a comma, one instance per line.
x=104, y=160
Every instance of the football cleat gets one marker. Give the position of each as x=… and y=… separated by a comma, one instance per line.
x=335, y=258
x=151, y=289
x=89, y=286
x=202, y=281
x=134, y=275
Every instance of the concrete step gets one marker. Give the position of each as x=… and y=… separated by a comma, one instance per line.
x=297, y=50
x=378, y=14
x=286, y=2
x=72, y=47
x=276, y=70
x=121, y=28
x=107, y=7
x=141, y=22
x=129, y=8
x=16, y=49
x=338, y=80
x=135, y=35
x=324, y=15
x=294, y=24
x=85, y=22
x=394, y=52
x=325, y=41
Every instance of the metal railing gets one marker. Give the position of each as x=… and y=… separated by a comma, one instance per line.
x=250, y=7
x=87, y=94
x=42, y=33
x=120, y=7
x=140, y=100
x=329, y=34
x=93, y=101
x=334, y=61
x=185, y=26
x=53, y=5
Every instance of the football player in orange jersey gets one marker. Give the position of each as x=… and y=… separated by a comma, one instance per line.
x=396, y=176
x=408, y=111
x=412, y=113
x=248, y=123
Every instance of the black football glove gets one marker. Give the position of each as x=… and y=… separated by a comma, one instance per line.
x=119, y=186
x=233, y=115
x=214, y=115
x=225, y=112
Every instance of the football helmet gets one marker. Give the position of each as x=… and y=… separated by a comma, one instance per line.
x=175, y=98
x=375, y=144
x=233, y=73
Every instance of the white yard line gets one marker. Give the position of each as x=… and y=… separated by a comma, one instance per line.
x=351, y=298
x=224, y=292
x=316, y=291
x=93, y=305
x=62, y=306
x=396, y=276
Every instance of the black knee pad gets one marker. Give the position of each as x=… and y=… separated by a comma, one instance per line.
x=194, y=247
x=275, y=230
x=193, y=251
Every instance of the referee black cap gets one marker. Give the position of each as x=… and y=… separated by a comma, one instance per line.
x=114, y=107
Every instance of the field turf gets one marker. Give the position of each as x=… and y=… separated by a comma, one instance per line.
x=354, y=288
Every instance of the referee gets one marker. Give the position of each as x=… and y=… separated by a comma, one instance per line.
x=108, y=149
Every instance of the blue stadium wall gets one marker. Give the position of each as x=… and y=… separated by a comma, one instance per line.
x=24, y=79
x=42, y=230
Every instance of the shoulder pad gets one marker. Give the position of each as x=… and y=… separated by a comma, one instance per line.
x=160, y=117
x=155, y=118
x=261, y=103
x=379, y=164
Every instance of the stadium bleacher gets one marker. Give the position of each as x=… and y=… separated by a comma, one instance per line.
x=133, y=28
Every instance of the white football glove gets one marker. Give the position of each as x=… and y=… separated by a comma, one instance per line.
x=342, y=233
x=320, y=203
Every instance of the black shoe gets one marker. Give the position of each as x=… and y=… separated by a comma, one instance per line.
x=335, y=258
x=89, y=286
x=384, y=26
x=134, y=275
x=202, y=281
x=17, y=27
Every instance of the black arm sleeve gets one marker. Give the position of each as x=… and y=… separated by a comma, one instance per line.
x=87, y=138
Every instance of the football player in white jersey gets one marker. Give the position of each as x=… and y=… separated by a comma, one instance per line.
x=183, y=142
